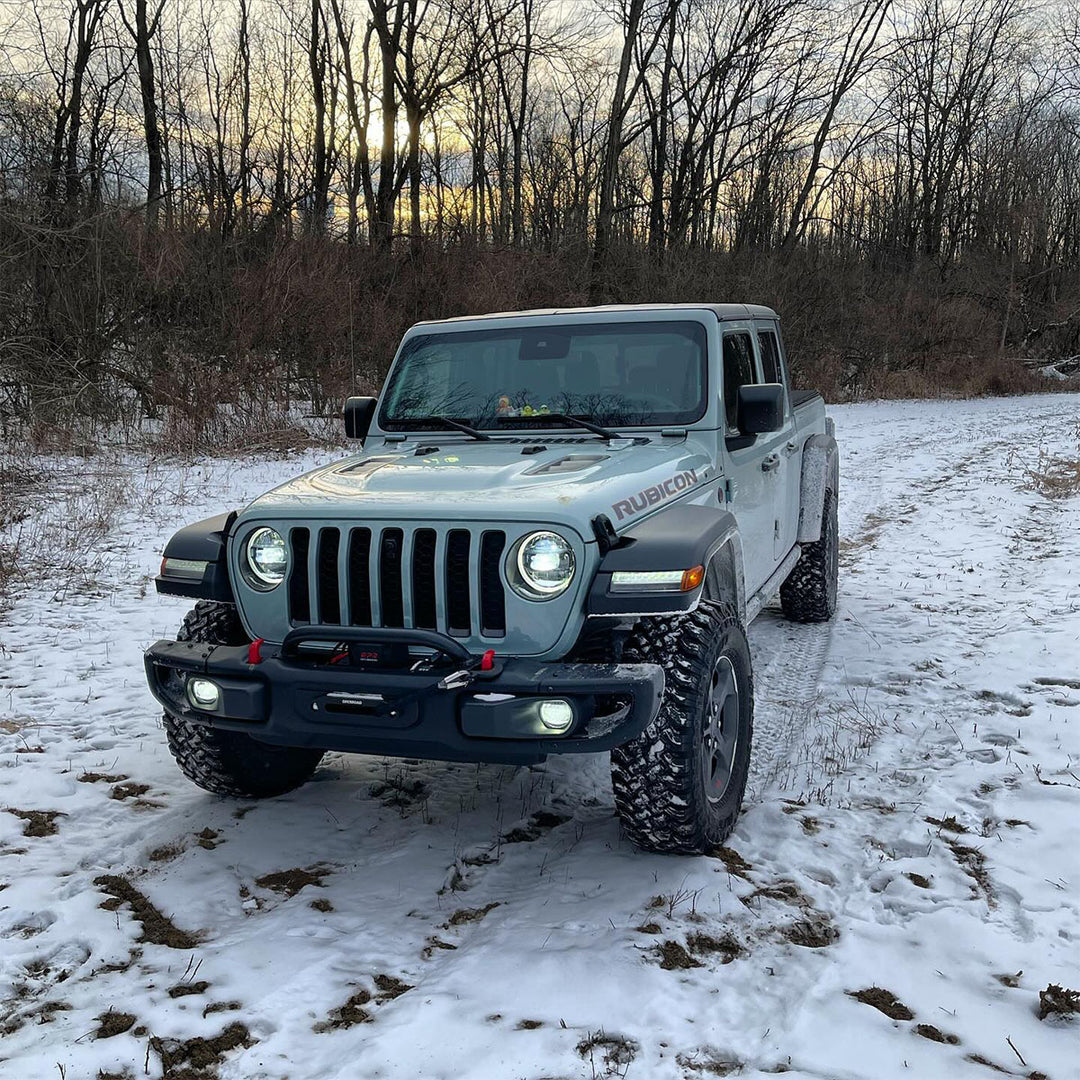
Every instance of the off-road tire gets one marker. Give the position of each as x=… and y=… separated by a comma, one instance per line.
x=809, y=593
x=230, y=762
x=660, y=789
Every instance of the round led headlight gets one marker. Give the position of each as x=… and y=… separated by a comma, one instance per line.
x=267, y=558
x=545, y=566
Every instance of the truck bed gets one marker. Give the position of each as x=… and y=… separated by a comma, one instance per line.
x=803, y=397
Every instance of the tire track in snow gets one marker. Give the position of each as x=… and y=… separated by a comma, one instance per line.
x=788, y=662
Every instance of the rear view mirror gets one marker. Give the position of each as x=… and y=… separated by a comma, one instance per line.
x=359, y=412
x=761, y=408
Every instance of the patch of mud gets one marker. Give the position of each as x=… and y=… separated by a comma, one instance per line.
x=470, y=915
x=222, y=1006
x=113, y=1023
x=707, y=1062
x=816, y=932
x=434, y=944
x=528, y=1025
x=917, y=879
x=1011, y=981
x=288, y=883
x=885, y=1001
x=188, y=989
x=935, y=1034
x=649, y=928
x=672, y=956
x=390, y=987
x=787, y=892
x=973, y=863
x=725, y=948
x=15, y=1018
x=101, y=778
x=119, y=966
x=978, y=1059
x=735, y=863
x=38, y=822
x=1058, y=1002
x=194, y=1059
x=399, y=792
x=157, y=929
x=322, y=904
x=348, y=1015
x=166, y=852
x=207, y=838
x=130, y=790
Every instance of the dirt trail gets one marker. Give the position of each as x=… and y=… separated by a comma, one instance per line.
x=398, y=919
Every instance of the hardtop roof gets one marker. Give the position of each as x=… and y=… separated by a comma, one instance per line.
x=723, y=312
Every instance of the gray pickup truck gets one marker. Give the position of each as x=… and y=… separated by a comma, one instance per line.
x=553, y=540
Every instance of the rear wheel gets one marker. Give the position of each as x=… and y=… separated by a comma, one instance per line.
x=679, y=785
x=809, y=593
x=230, y=762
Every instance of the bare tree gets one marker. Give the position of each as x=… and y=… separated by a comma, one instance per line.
x=142, y=29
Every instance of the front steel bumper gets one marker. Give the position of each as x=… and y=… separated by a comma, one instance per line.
x=452, y=708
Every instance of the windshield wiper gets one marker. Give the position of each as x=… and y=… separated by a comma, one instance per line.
x=574, y=421
x=455, y=424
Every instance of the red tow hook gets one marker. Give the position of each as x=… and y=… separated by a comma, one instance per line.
x=255, y=651
x=487, y=661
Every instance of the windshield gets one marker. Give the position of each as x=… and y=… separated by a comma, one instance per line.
x=636, y=375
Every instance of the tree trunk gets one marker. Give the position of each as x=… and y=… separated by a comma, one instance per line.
x=144, y=30
x=612, y=146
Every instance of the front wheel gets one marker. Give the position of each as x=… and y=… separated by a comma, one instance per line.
x=679, y=785
x=230, y=762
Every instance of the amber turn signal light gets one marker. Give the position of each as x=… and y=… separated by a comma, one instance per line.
x=692, y=578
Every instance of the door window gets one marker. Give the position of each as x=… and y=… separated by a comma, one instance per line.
x=738, y=371
x=770, y=356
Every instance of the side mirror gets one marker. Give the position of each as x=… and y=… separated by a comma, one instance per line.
x=359, y=412
x=761, y=408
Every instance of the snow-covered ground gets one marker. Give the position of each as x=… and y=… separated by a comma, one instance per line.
x=912, y=824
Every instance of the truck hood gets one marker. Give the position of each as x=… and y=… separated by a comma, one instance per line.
x=497, y=480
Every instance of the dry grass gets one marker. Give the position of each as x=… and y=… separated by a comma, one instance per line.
x=608, y=1055
x=1053, y=475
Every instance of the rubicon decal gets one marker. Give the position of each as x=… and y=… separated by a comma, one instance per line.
x=650, y=496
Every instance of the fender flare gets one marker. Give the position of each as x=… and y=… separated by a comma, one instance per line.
x=203, y=542
x=820, y=472
x=677, y=538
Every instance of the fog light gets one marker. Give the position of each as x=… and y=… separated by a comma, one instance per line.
x=203, y=694
x=556, y=714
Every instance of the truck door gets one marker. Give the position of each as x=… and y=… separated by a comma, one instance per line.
x=753, y=464
x=789, y=469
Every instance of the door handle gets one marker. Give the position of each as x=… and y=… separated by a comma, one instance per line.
x=770, y=463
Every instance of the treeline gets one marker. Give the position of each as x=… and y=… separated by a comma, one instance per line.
x=207, y=200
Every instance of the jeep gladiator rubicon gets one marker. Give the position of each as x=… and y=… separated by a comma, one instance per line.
x=553, y=540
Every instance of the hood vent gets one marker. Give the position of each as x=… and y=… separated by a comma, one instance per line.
x=570, y=464
x=366, y=467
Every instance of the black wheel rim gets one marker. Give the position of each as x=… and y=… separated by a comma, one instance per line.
x=720, y=729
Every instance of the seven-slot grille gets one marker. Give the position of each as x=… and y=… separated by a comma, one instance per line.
x=425, y=578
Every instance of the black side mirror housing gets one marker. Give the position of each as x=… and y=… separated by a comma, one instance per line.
x=761, y=408
x=359, y=412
